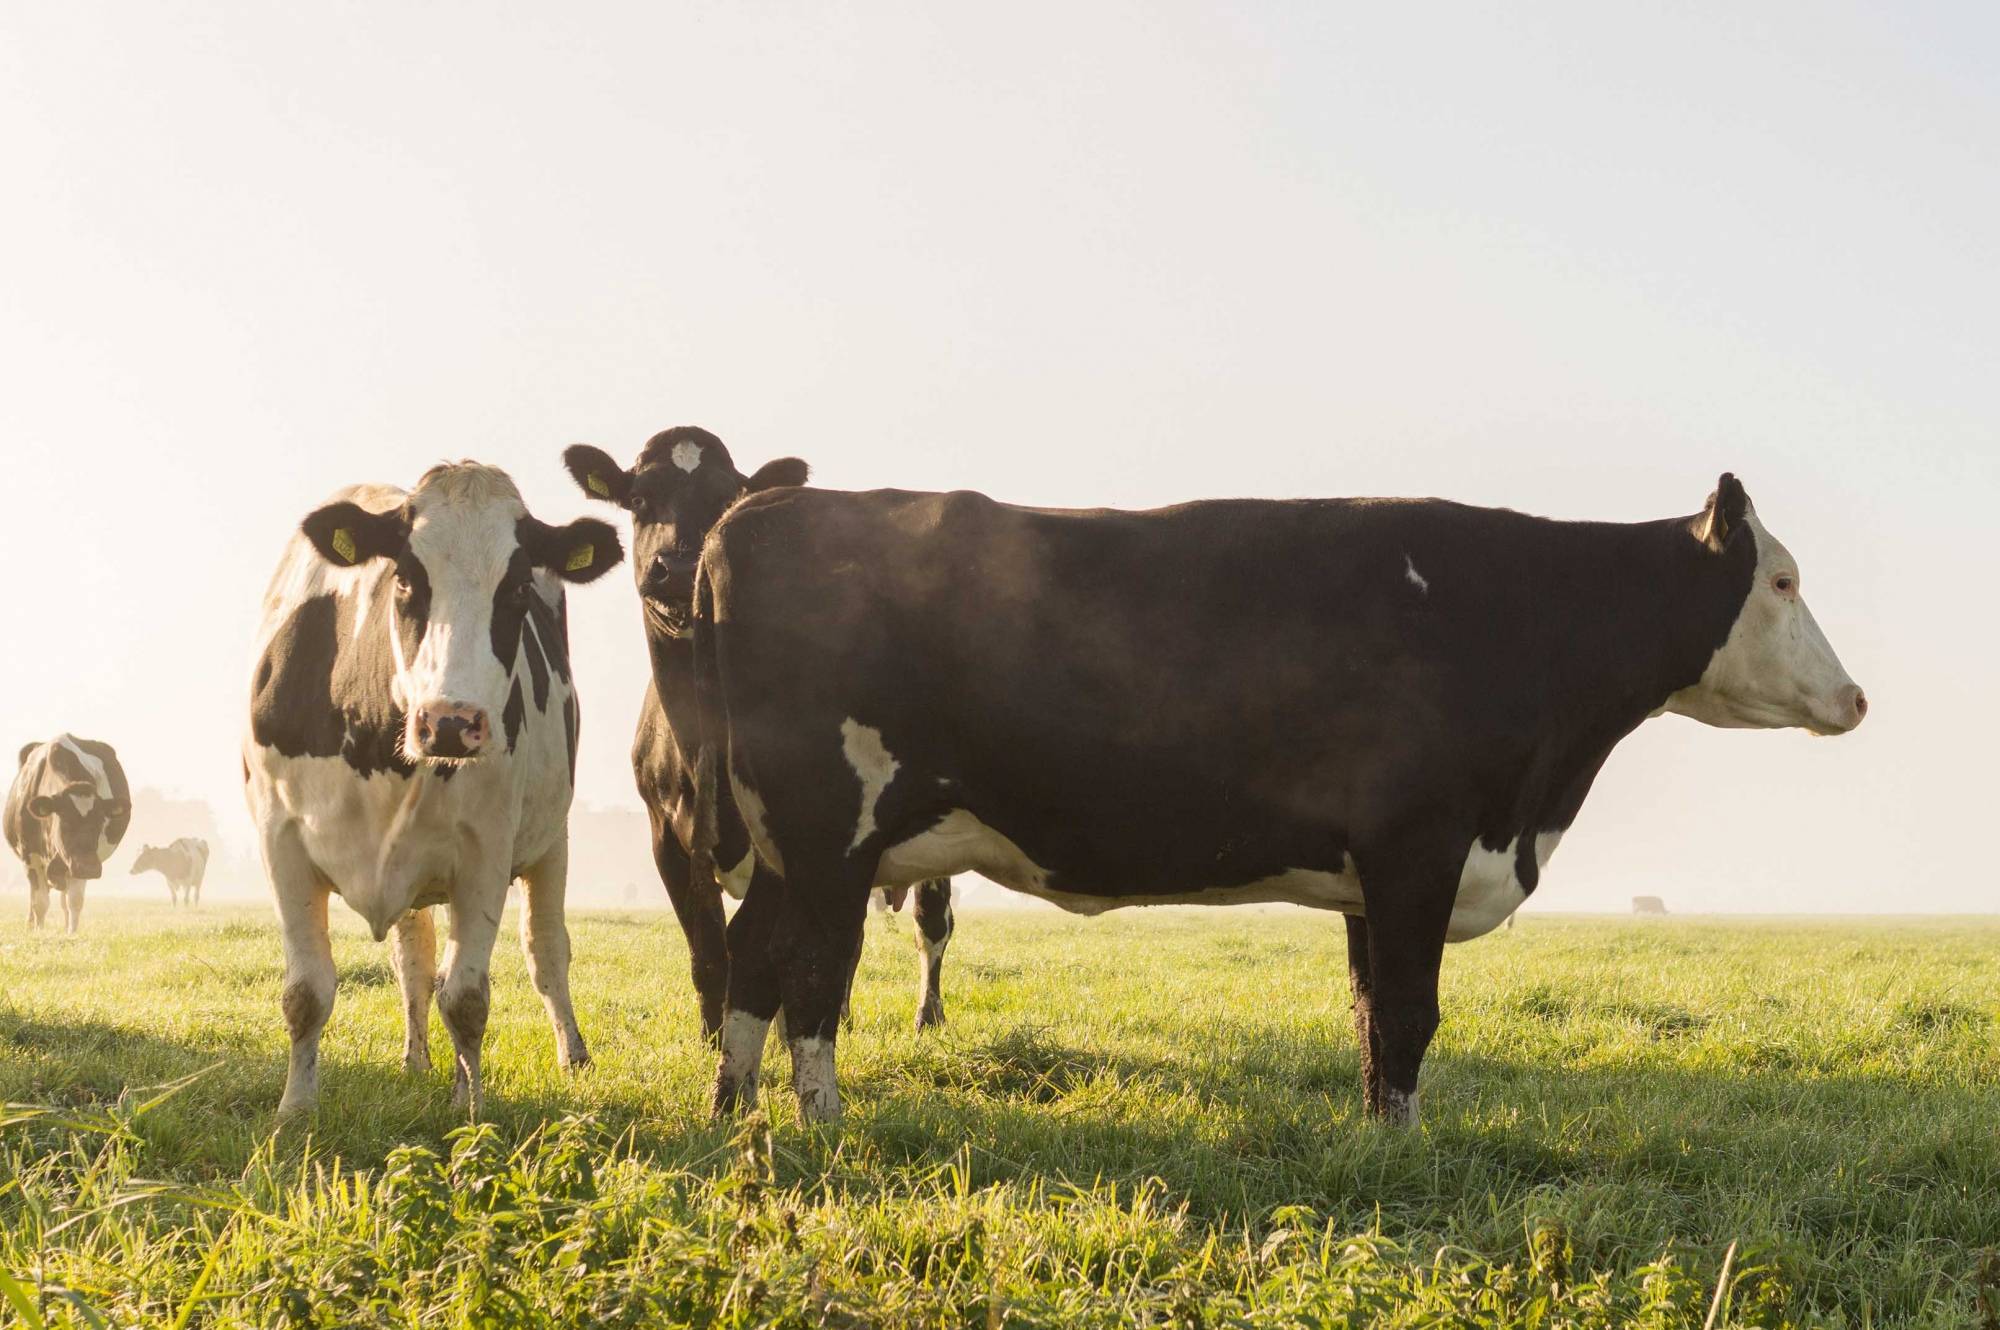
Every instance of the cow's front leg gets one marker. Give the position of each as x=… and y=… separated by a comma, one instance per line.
x=698, y=906
x=545, y=943
x=309, y=977
x=413, y=951
x=465, y=994
x=72, y=906
x=1408, y=895
x=38, y=899
x=934, y=922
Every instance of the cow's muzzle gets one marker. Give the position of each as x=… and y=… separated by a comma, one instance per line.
x=450, y=731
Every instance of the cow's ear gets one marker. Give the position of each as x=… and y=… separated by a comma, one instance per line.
x=597, y=475
x=1723, y=517
x=783, y=472
x=583, y=551
x=26, y=749
x=346, y=534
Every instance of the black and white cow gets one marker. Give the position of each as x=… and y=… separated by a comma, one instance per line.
x=1388, y=708
x=682, y=483
x=183, y=863
x=412, y=742
x=67, y=811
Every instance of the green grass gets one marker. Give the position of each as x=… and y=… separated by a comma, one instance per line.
x=1146, y=1119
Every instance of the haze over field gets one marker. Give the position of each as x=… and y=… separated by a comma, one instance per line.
x=1576, y=263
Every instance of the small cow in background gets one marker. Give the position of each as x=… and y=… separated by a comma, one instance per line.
x=1648, y=905
x=412, y=742
x=183, y=864
x=67, y=812
x=682, y=484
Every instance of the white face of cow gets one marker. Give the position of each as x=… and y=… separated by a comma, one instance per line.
x=1776, y=670
x=465, y=551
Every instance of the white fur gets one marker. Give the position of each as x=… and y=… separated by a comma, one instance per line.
x=742, y=1053
x=737, y=880
x=862, y=746
x=813, y=1079
x=1415, y=578
x=687, y=456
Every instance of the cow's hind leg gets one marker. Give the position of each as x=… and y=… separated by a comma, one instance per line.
x=753, y=993
x=309, y=976
x=466, y=993
x=934, y=927
x=545, y=943
x=413, y=951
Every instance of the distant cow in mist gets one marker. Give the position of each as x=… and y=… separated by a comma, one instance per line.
x=1648, y=905
x=183, y=863
x=68, y=809
x=682, y=483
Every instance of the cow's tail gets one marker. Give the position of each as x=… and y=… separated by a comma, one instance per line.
x=711, y=731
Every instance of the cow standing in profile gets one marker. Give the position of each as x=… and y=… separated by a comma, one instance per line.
x=66, y=813
x=183, y=863
x=681, y=485
x=412, y=742
x=1388, y=708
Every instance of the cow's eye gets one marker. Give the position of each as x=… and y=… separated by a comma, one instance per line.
x=521, y=591
x=1785, y=584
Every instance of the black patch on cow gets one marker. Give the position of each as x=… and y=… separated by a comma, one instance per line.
x=552, y=631
x=515, y=713
x=538, y=668
x=572, y=722
x=321, y=692
x=412, y=592
x=512, y=600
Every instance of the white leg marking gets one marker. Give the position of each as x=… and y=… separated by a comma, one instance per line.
x=742, y=1057
x=813, y=1080
x=862, y=745
x=1399, y=1109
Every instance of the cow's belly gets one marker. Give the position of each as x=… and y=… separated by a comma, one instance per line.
x=1488, y=889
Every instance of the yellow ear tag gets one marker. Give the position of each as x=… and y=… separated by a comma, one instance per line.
x=580, y=558
x=343, y=544
x=598, y=488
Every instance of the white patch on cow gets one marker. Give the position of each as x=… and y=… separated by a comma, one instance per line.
x=1488, y=888
x=750, y=807
x=94, y=768
x=1413, y=577
x=1399, y=1109
x=687, y=456
x=960, y=843
x=813, y=1079
x=736, y=881
x=862, y=746
x=742, y=1053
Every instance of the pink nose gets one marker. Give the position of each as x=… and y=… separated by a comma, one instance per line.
x=446, y=729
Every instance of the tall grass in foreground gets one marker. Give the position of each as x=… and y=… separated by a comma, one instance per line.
x=1142, y=1120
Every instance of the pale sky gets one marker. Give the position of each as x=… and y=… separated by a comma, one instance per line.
x=1575, y=261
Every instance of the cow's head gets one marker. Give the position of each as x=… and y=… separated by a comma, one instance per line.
x=150, y=857
x=682, y=484
x=73, y=815
x=1775, y=669
x=465, y=551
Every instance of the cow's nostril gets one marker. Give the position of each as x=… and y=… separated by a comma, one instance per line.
x=1860, y=703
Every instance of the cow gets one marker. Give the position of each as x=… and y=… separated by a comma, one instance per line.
x=1648, y=905
x=682, y=482
x=68, y=809
x=1389, y=708
x=412, y=742
x=182, y=863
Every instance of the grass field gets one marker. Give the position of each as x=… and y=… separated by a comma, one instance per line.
x=1145, y=1119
